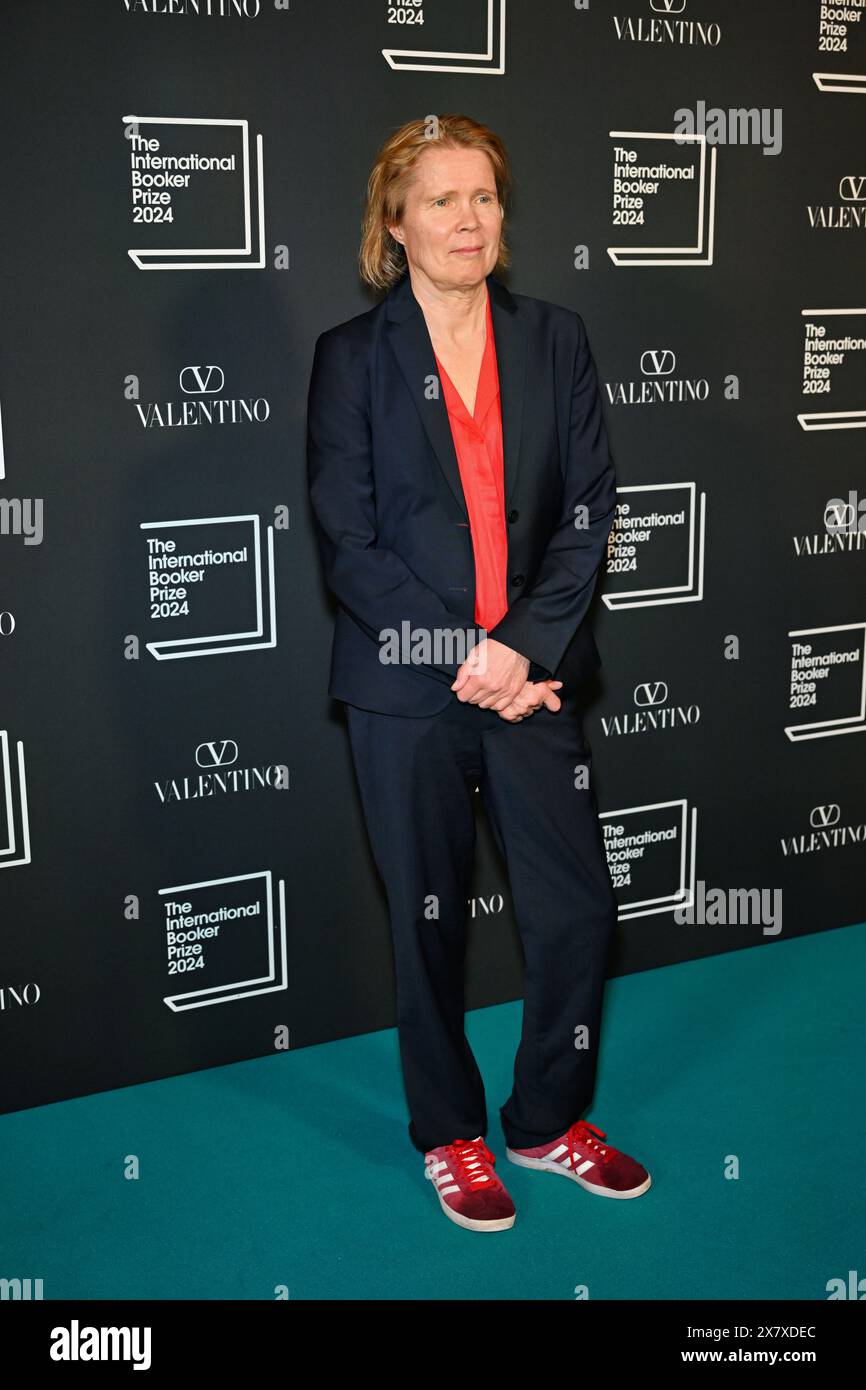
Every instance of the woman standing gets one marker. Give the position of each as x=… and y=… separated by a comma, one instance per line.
x=460, y=474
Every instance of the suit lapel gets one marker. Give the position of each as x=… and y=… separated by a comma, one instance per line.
x=410, y=340
x=509, y=332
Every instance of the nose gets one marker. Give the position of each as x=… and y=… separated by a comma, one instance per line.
x=468, y=217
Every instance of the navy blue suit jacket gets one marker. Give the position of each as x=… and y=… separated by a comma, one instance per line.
x=392, y=523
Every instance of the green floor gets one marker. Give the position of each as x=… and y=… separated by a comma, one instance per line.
x=296, y=1170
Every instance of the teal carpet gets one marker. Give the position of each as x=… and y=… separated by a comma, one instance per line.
x=296, y=1170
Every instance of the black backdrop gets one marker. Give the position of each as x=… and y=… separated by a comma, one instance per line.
x=154, y=765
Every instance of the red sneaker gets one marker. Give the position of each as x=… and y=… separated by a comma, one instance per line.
x=469, y=1191
x=579, y=1156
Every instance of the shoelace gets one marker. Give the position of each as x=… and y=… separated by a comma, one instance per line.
x=470, y=1154
x=579, y=1133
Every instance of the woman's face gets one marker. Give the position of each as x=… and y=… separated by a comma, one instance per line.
x=452, y=221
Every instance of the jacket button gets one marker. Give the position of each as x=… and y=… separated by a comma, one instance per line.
x=513, y=514
x=517, y=579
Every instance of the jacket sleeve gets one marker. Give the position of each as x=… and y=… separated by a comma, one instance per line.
x=542, y=621
x=371, y=582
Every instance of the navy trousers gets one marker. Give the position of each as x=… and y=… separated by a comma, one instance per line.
x=417, y=779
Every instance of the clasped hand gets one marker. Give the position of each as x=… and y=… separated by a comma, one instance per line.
x=502, y=684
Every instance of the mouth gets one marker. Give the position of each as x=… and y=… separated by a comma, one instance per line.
x=467, y=250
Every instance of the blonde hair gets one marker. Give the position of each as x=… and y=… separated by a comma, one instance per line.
x=382, y=259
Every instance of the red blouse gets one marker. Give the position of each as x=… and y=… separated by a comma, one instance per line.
x=478, y=445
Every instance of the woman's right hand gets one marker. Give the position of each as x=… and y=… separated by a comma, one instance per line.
x=533, y=695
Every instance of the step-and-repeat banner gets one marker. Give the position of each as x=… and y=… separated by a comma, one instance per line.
x=185, y=877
